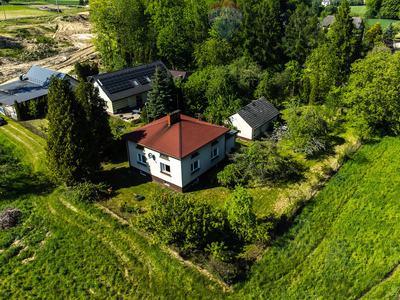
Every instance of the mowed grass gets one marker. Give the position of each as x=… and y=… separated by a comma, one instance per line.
x=361, y=10
x=345, y=241
x=384, y=22
x=62, y=249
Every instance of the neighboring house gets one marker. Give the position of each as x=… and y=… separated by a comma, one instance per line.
x=254, y=119
x=326, y=2
x=32, y=86
x=176, y=149
x=182, y=75
x=126, y=88
x=328, y=21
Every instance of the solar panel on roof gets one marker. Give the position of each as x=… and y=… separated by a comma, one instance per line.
x=123, y=85
x=141, y=80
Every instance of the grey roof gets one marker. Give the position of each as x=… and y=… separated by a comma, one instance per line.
x=34, y=85
x=119, y=84
x=357, y=21
x=258, y=113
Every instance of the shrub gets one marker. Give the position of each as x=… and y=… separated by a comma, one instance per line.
x=88, y=191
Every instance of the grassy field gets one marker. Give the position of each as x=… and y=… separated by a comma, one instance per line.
x=360, y=10
x=62, y=249
x=384, y=22
x=15, y=12
x=344, y=243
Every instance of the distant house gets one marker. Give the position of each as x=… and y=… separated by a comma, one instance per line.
x=182, y=75
x=328, y=21
x=176, y=149
x=32, y=86
x=126, y=88
x=254, y=119
x=326, y=2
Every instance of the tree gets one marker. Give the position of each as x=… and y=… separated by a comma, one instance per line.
x=388, y=33
x=160, y=98
x=374, y=35
x=308, y=129
x=343, y=41
x=65, y=150
x=300, y=34
x=33, y=110
x=83, y=70
x=373, y=7
x=373, y=93
x=390, y=9
x=240, y=215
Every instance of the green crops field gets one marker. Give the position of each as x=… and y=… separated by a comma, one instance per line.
x=344, y=243
x=384, y=22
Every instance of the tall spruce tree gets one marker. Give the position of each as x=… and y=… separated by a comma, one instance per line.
x=343, y=40
x=161, y=97
x=67, y=130
x=300, y=34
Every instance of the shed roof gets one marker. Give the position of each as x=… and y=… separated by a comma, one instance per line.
x=34, y=85
x=182, y=138
x=120, y=84
x=258, y=113
x=357, y=21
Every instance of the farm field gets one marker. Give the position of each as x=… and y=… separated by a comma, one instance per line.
x=17, y=11
x=346, y=242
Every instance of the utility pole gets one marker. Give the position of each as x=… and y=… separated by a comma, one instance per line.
x=5, y=18
x=57, y=6
x=147, y=112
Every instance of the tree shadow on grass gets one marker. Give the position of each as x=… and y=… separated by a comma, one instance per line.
x=120, y=178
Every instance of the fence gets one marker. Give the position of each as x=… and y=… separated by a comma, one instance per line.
x=33, y=129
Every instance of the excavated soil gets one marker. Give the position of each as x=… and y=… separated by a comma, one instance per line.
x=73, y=43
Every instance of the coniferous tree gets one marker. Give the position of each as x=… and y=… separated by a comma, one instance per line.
x=161, y=97
x=343, y=41
x=299, y=34
x=67, y=129
x=388, y=33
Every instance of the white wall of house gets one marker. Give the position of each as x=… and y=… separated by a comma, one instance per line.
x=205, y=160
x=153, y=165
x=230, y=143
x=105, y=98
x=245, y=131
x=73, y=81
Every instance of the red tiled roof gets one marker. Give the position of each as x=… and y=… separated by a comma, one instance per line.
x=182, y=138
x=177, y=73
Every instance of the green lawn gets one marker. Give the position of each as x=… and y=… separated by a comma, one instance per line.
x=344, y=242
x=361, y=10
x=18, y=11
x=384, y=22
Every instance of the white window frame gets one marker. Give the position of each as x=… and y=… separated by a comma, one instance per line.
x=213, y=155
x=141, y=158
x=192, y=166
x=163, y=168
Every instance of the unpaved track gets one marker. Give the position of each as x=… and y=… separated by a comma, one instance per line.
x=77, y=56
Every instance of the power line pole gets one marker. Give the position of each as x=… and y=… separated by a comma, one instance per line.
x=57, y=6
x=5, y=18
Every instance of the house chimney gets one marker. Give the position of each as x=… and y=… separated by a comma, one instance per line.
x=174, y=117
x=199, y=116
x=211, y=119
x=21, y=77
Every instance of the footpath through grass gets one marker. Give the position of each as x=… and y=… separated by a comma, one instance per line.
x=345, y=241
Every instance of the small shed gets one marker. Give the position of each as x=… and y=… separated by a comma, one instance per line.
x=254, y=119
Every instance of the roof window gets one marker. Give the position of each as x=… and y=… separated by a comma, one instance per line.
x=135, y=83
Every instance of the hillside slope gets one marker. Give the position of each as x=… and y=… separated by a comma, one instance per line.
x=346, y=241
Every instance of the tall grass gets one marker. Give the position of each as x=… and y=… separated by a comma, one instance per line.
x=345, y=241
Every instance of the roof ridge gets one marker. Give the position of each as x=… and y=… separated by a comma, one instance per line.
x=201, y=122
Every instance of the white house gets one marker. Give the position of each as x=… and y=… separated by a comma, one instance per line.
x=32, y=86
x=126, y=88
x=254, y=119
x=176, y=149
x=326, y=2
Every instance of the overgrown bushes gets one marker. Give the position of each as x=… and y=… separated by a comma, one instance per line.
x=89, y=192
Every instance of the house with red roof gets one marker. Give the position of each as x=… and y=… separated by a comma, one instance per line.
x=176, y=149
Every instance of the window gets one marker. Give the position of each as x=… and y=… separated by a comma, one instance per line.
x=141, y=159
x=135, y=82
x=195, y=154
x=148, y=79
x=214, y=142
x=195, y=166
x=214, y=153
x=165, y=168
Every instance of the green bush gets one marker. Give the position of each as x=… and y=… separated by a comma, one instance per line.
x=88, y=191
x=44, y=40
